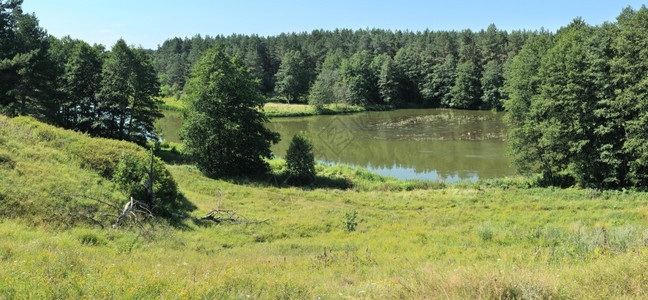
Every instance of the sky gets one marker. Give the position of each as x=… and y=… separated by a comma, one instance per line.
x=148, y=23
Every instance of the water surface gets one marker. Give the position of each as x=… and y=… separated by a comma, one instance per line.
x=430, y=144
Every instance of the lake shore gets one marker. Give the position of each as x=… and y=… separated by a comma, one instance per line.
x=275, y=109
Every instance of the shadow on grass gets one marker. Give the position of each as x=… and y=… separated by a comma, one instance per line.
x=284, y=180
x=171, y=155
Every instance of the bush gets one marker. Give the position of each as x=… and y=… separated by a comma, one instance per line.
x=350, y=221
x=300, y=160
x=131, y=174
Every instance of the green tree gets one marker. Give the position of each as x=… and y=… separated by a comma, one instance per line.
x=564, y=110
x=408, y=62
x=492, y=83
x=522, y=84
x=559, y=97
x=26, y=70
x=466, y=92
x=300, y=160
x=293, y=77
x=224, y=129
x=388, y=79
x=628, y=114
x=361, y=82
x=80, y=82
x=128, y=106
x=438, y=83
x=324, y=88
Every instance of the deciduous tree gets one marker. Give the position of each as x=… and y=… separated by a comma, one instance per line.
x=224, y=129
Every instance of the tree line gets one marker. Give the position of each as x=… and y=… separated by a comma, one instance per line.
x=458, y=69
x=578, y=104
x=69, y=83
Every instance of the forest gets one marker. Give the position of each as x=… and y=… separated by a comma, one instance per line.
x=367, y=67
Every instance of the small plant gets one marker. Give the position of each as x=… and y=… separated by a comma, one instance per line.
x=485, y=231
x=350, y=221
x=90, y=239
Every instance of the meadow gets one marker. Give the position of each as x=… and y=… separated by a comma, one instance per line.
x=352, y=234
x=276, y=108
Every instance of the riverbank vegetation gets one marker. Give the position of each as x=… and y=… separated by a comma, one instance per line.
x=273, y=109
x=578, y=111
x=497, y=239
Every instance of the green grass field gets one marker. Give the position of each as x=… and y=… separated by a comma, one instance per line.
x=274, y=109
x=412, y=240
x=294, y=110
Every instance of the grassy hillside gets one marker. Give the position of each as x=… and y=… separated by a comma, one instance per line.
x=49, y=175
x=412, y=239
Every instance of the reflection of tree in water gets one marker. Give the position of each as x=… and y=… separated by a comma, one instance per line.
x=452, y=143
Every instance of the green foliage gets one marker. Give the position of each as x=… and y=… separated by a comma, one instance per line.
x=128, y=90
x=293, y=77
x=628, y=113
x=131, y=175
x=224, y=130
x=300, y=159
x=492, y=84
x=467, y=88
x=522, y=84
x=327, y=87
x=389, y=78
x=359, y=80
x=575, y=107
x=438, y=83
x=26, y=70
x=349, y=221
x=82, y=82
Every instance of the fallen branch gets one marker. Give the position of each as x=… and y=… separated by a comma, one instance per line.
x=130, y=209
x=220, y=216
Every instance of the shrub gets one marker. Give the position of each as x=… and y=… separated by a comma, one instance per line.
x=131, y=174
x=300, y=160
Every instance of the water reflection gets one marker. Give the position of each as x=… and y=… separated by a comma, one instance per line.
x=429, y=144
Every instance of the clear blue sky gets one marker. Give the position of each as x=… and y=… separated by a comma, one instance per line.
x=149, y=23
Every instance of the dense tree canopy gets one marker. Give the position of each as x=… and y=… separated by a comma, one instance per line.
x=72, y=84
x=577, y=104
x=293, y=78
x=26, y=71
x=373, y=66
